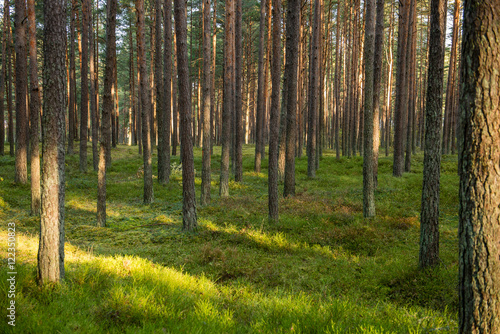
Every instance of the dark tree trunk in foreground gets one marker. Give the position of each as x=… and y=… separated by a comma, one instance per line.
x=107, y=108
x=274, y=117
x=189, y=219
x=429, y=218
x=292, y=59
x=84, y=102
x=34, y=113
x=313, y=93
x=368, y=182
x=228, y=97
x=167, y=87
x=51, y=246
x=206, y=103
x=261, y=100
x=479, y=160
x=21, y=85
x=145, y=104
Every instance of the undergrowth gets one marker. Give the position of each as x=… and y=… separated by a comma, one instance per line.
x=321, y=269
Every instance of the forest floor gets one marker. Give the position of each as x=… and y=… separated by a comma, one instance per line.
x=321, y=269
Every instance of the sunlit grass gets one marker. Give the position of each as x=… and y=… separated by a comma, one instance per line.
x=321, y=268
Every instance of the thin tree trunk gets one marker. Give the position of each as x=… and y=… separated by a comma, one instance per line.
x=175, y=135
x=238, y=131
x=94, y=114
x=21, y=161
x=161, y=108
x=145, y=105
x=274, y=114
x=167, y=87
x=72, y=84
x=189, y=217
x=107, y=107
x=34, y=113
x=84, y=86
x=3, y=76
x=429, y=221
x=206, y=104
x=51, y=244
x=261, y=101
x=410, y=66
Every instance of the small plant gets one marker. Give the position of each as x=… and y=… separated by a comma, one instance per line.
x=176, y=169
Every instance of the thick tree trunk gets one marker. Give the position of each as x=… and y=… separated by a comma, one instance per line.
x=369, y=56
x=107, y=107
x=479, y=161
x=21, y=85
x=274, y=114
x=189, y=218
x=51, y=245
x=34, y=113
x=291, y=67
x=206, y=106
x=429, y=218
x=145, y=105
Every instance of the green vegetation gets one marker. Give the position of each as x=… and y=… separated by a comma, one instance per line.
x=321, y=269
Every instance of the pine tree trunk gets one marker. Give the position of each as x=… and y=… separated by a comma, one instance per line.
x=21, y=161
x=274, y=114
x=411, y=79
x=34, y=113
x=189, y=218
x=72, y=84
x=84, y=101
x=93, y=98
x=261, y=101
x=291, y=67
x=238, y=131
x=228, y=97
x=206, y=106
x=3, y=78
x=107, y=107
x=51, y=245
x=429, y=218
x=167, y=87
x=145, y=105
x=479, y=158
x=161, y=108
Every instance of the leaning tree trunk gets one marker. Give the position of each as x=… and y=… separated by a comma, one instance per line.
x=107, y=108
x=429, y=218
x=51, y=245
x=34, y=113
x=21, y=84
x=189, y=217
x=145, y=104
x=479, y=161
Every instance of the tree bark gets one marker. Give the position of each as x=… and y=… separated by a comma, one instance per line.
x=34, y=113
x=228, y=97
x=206, y=106
x=22, y=127
x=189, y=217
x=84, y=101
x=167, y=87
x=369, y=56
x=291, y=69
x=51, y=245
x=145, y=105
x=261, y=100
x=161, y=107
x=3, y=76
x=238, y=131
x=274, y=119
x=107, y=107
x=429, y=218
x=94, y=114
x=479, y=161
x=72, y=84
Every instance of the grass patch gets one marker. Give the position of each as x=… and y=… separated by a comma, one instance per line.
x=321, y=268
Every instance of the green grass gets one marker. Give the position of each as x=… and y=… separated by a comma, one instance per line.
x=321, y=269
